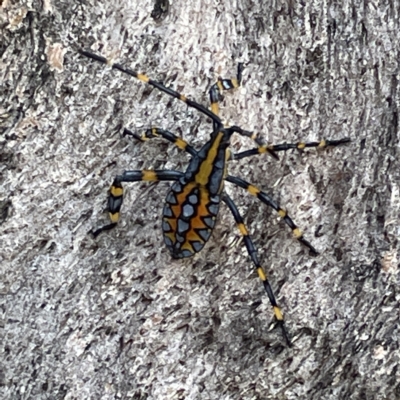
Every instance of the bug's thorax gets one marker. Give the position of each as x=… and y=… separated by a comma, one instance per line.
x=192, y=204
x=208, y=168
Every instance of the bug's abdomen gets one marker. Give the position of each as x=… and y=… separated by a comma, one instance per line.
x=188, y=218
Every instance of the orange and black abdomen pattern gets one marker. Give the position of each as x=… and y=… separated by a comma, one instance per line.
x=192, y=204
x=188, y=218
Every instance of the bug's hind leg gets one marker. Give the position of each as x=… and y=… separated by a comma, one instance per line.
x=116, y=193
x=254, y=258
x=223, y=84
x=157, y=132
x=264, y=198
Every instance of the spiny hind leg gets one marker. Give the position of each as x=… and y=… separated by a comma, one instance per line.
x=254, y=258
x=264, y=198
x=115, y=197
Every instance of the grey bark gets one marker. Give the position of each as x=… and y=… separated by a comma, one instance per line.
x=115, y=317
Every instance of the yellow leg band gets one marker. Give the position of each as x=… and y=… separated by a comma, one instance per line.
x=242, y=229
x=261, y=274
x=253, y=190
x=181, y=144
x=116, y=191
x=215, y=108
x=114, y=217
x=278, y=313
x=143, y=78
x=297, y=233
x=149, y=176
x=263, y=149
x=282, y=213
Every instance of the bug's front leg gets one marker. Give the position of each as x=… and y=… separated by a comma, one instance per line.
x=216, y=90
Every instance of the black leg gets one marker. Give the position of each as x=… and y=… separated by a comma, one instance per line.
x=158, y=85
x=252, y=136
x=266, y=148
x=116, y=193
x=156, y=132
x=223, y=84
x=263, y=197
x=254, y=258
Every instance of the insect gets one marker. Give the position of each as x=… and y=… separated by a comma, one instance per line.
x=193, y=201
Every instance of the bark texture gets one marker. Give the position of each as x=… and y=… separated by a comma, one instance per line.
x=115, y=317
